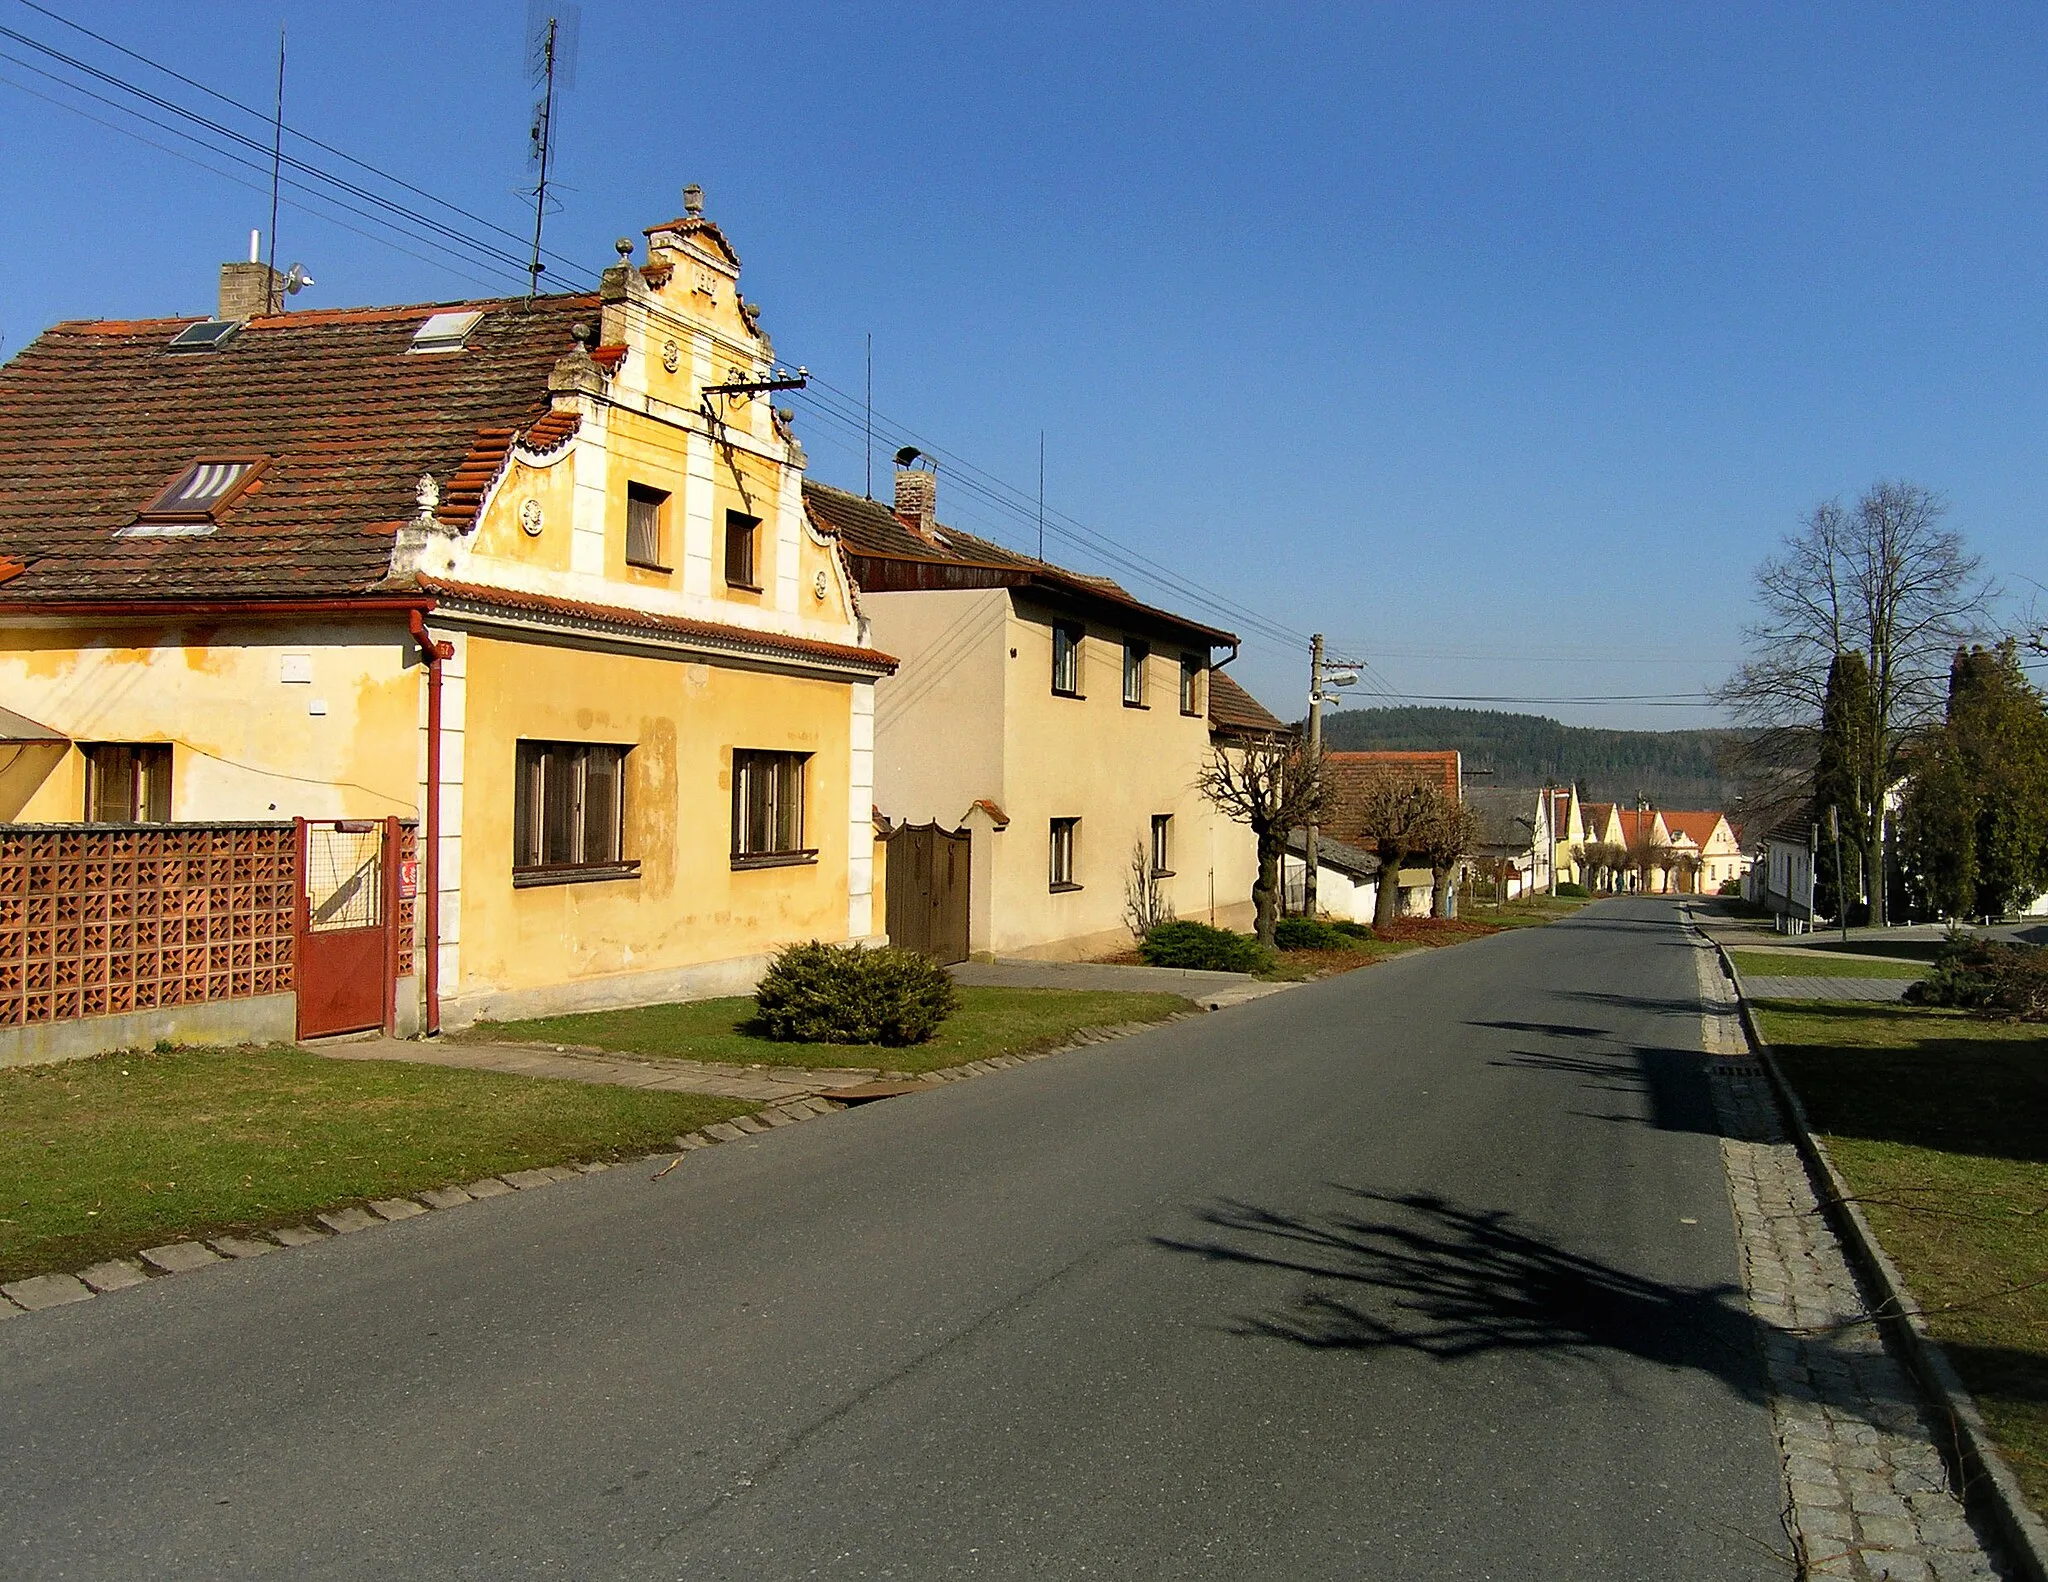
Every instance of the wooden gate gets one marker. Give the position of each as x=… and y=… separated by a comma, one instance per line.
x=346, y=925
x=928, y=878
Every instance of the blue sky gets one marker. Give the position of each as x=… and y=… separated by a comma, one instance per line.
x=1497, y=342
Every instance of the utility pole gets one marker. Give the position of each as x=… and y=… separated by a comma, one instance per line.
x=1550, y=823
x=1315, y=758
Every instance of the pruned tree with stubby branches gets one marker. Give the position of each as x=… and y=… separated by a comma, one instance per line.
x=1396, y=817
x=1274, y=787
x=1883, y=579
x=1450, y=835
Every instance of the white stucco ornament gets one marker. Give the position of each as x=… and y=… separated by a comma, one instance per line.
x=818, y=585
x=530, y=518
x=671, y=355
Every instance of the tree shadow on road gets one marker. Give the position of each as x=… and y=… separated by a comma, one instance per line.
x=1416, y=1272
x=1669, y=1084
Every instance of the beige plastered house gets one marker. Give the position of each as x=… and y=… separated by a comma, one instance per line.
x=1057, y=721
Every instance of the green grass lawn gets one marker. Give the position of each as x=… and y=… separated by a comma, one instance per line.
x=1939, y=1122
x=1801, y=964
x=989, y=1022
x=101, y=1158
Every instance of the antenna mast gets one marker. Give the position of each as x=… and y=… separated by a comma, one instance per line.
x=273, y=300
x=868, y=416
x=542, y=126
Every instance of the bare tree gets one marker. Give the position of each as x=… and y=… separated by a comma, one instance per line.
x=1145, y=903
x=1453, y=832
x=1397, y=814
x=1647, y=855
x=1886, y=580
x=1275, y=787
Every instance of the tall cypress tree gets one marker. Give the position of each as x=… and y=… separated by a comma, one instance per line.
x=1976, y=811
x=1841, y=774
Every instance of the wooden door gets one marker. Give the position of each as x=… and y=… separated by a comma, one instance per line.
x=927, y=895
x=346, y=925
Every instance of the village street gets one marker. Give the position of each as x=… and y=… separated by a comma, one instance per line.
x=1426, y=1271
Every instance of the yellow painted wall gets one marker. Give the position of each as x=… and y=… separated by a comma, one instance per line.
x=1112, y=766
x=245, y=743
x=688, y=905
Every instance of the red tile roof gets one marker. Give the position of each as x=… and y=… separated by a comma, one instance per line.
x=713, y=633
x=1698, y=827
x=888, y=556
x=1234, y=711
x=101, y=416
x=1347, y=777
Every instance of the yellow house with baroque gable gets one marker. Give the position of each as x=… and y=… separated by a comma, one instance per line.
x=534, y=578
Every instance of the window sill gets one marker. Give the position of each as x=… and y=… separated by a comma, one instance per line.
x=744, y=587
x=1162, y=873
x=1129, y=704
x=775, y=859
x=1078, y=697
x=1062, y=889
x=580, y=873
x=1190, y=714
x=651, y=565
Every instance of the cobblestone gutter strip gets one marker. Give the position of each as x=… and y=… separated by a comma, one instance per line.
x=1989, y=1487
x=183, y=1257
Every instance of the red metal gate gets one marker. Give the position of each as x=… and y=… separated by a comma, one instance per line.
x=346, y=925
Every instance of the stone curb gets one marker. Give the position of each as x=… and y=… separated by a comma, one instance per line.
x=36, y=1292
x=1987, y=1482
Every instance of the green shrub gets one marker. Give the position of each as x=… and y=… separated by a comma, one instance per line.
x=1731, y=887
x=1310, y=933
x=1566, y=887
x=1991, y=979
x=822, y=994
x=1201, y=948
x=1351, y=930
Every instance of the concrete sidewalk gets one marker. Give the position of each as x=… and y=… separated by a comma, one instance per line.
x=1210, y=990
x=752, y=1084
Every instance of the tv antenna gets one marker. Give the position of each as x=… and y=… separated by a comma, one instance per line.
x=551, y=31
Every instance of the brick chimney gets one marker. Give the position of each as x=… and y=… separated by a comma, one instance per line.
x=917, y=498
x=252, y=290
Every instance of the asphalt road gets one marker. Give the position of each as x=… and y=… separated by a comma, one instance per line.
x=1424, y=1272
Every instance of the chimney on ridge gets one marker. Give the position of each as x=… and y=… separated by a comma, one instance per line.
x=917, y=498
x=252, y=290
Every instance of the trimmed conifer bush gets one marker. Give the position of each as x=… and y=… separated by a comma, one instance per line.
x=822, y=994
x=1566, y=887
x=1200, y=948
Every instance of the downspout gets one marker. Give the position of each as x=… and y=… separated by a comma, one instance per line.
x=432, y=653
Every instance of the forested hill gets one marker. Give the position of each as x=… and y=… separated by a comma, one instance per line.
x=1675, y=769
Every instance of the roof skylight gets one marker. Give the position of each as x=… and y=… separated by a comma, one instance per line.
x=209, y=335
x=198, y=493
x=446, y=332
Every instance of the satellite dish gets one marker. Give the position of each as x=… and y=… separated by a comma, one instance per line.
x=296, y=280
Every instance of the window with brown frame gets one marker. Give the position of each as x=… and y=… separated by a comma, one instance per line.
x=127, y=783
x=1190, y=684
x=768, y=809
x=741, y=531
x=568, y=813
x=1066, y=660
x=1135, y=655
x=1060, y=867
x=646, y=520
x=1162, y=845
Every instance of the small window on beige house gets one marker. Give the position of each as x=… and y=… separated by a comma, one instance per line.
x=568, y=813
x=1190, y=684
x=127, y=783
x=768, y=809
x=1135, y=656
x=646, y=524
x=1061, y=866
x=741, y=533
x=1066, y=660
x=1162, y=845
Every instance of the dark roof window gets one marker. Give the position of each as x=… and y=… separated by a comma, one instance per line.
x=446, y=332
x=197, y=495
x=209, y=335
